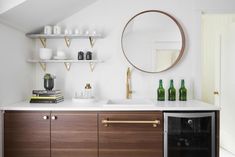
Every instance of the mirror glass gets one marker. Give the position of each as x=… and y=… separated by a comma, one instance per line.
x=153, y=41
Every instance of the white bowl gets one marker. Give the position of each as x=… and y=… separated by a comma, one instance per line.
x=60, y=57
x=84, y=100
x=45, y=53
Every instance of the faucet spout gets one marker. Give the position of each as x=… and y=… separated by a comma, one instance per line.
x=128, y=84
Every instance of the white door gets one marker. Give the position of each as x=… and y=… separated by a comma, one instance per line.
x=212, y=28
x=227, y=94
x=218, y=58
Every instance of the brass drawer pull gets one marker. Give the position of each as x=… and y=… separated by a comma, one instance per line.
x=106, y=122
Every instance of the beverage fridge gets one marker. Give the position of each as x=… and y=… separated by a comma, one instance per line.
x=189, y=134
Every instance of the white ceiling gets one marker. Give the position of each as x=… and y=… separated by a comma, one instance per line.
x=8, y=4
x=32, y=15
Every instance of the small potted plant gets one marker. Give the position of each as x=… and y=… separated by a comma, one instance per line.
x=49, y=81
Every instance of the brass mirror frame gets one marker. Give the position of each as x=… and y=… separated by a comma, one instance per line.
x=181, y=32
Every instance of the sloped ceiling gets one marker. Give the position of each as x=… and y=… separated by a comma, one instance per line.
x=8, y=4
x=31, y=15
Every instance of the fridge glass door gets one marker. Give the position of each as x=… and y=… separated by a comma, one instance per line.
x=189, y=135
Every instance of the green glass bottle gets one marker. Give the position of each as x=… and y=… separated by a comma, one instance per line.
x=171, y=92
x=182, y=92
x=160, y=92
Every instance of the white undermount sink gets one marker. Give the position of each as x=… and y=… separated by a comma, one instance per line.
x=122, y=102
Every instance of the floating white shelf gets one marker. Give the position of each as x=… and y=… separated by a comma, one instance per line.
x=43, y=38
x=67, y=63
x=53, y=36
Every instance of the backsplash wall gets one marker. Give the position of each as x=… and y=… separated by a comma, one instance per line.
x=108, y=78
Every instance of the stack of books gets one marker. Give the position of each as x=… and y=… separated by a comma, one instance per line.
x=44, y=96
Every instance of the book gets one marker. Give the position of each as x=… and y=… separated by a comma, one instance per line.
x=46, y=101
x=46, y=91
x=46, y=97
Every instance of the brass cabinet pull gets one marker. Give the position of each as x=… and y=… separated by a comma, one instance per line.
x=106, y=122
x=45, y=117
x=53, y=117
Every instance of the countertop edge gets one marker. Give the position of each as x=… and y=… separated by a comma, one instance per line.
x=191, y=105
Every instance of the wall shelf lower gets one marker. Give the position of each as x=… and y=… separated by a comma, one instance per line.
x=67, y=63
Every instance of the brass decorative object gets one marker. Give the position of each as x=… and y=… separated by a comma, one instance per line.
x=92, y=66
x=92, y=41
x=43, y=66
x=67, y=41
x=67, y=66
x=43, y=41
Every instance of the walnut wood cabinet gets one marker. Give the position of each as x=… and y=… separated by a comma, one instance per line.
x=50, y=134
x=85, y=134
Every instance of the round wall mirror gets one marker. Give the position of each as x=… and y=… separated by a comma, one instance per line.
x=153, y=41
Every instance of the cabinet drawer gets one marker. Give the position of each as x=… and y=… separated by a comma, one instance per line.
x=130, y=134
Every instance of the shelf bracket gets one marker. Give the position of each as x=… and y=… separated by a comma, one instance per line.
x=92, y=66
x=67, y=66
x=43, y=41
x=67, y=41
x=43, y=66
x=92, y=41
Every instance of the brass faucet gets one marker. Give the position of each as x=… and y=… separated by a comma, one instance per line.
x=128, y=84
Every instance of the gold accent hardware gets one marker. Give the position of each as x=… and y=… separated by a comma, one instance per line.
x=45, y=117
x=67, y=41
x=92, y=66
x=216, y=93
x=43, y=41
x=92, y=41
x=128, y=84
x=67, y=66
x=53, y=117
x=106, y=122
x=43, y=66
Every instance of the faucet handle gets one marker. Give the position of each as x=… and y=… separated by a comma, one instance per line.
x=128, y=72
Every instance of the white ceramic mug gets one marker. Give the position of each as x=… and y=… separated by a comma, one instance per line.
x=60, y=53
x=68, y=31
x=56, y=29
x=45, y=53
x=77, y=31
x=47, y=30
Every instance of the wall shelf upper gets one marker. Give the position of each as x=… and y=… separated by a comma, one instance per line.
x=43, y=38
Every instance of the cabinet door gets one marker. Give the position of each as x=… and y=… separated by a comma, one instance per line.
x=26, y=134
x=74, y=134
x=130, y=134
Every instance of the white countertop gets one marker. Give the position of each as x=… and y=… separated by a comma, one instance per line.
x=69, y=105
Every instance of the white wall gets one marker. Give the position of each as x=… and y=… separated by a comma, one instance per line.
x=17, y=76
x=108, y=78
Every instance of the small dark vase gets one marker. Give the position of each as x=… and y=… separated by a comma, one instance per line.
x=49, y=84
x=89, y=55
x=80, y=55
